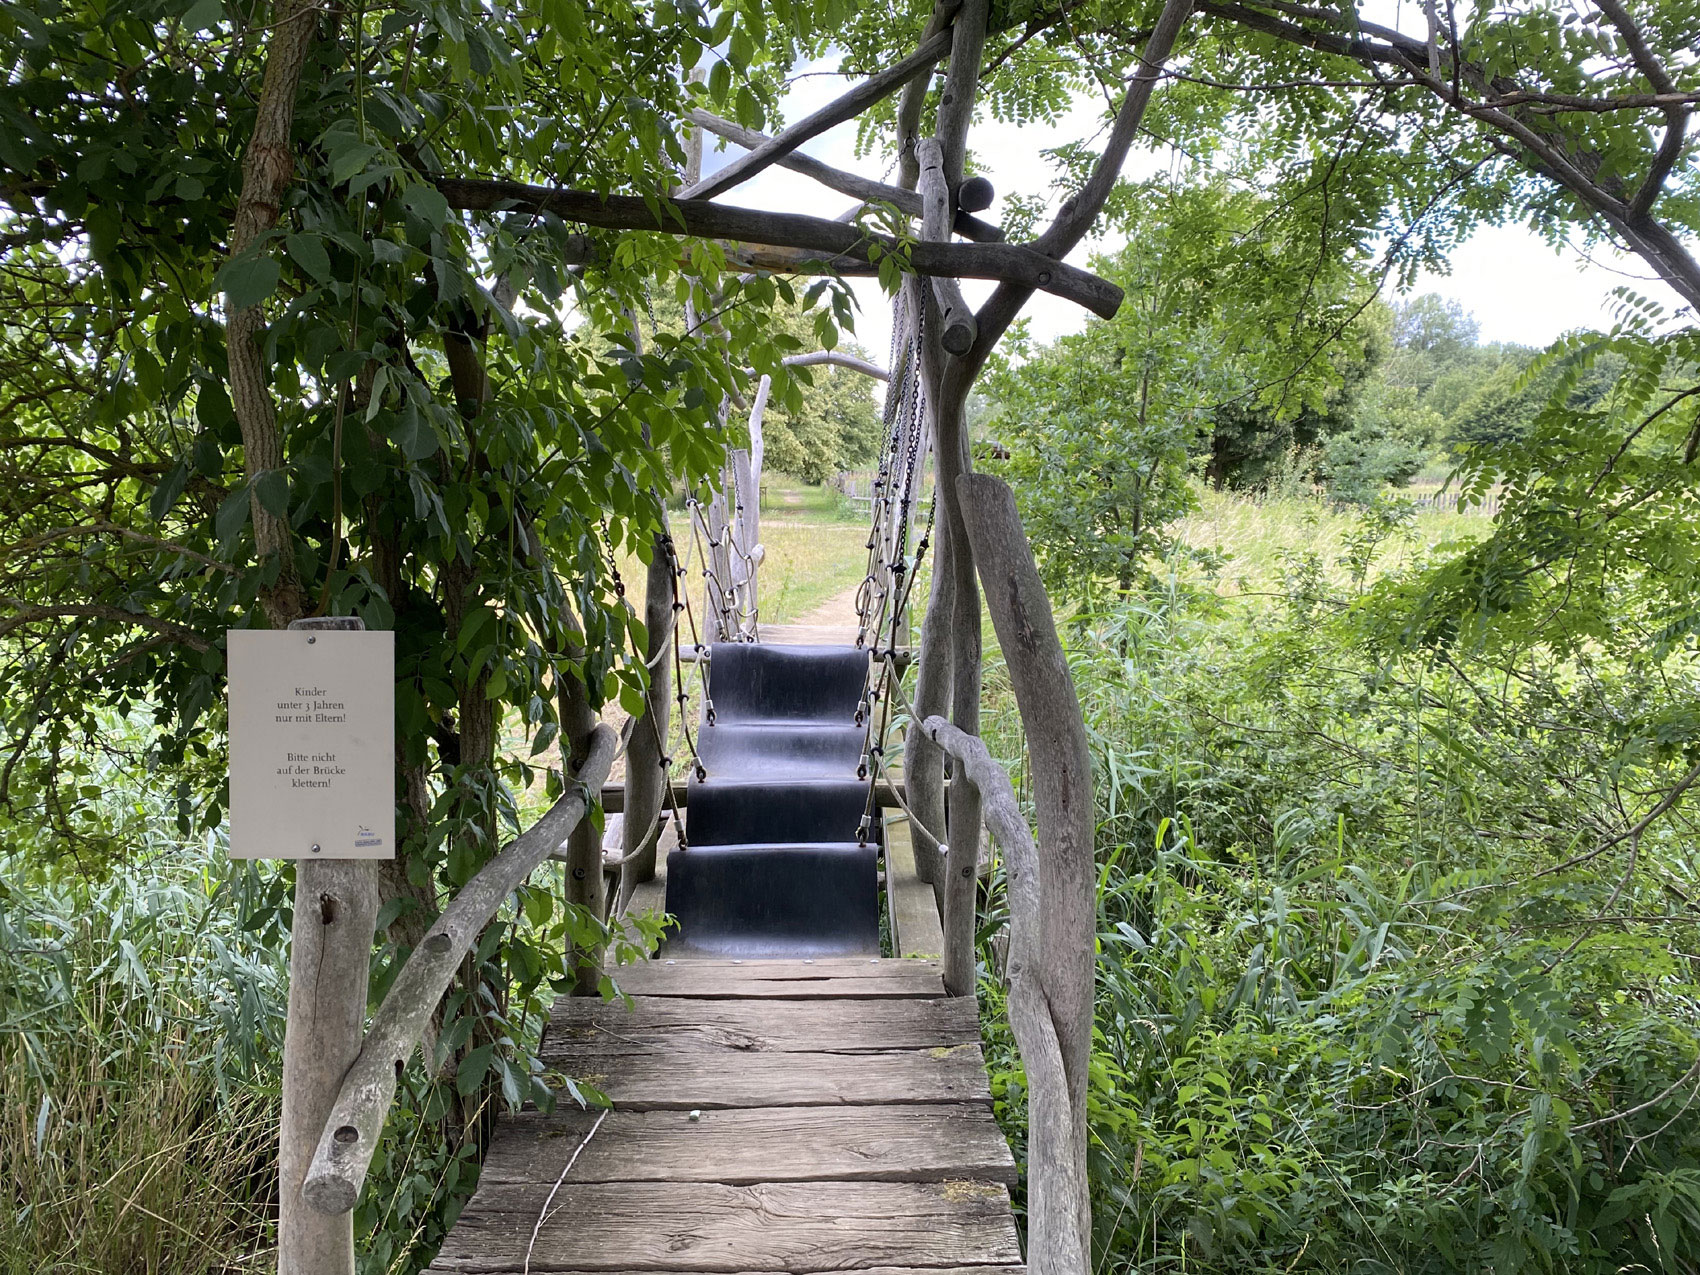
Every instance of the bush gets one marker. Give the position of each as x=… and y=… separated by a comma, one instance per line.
x=1394, y=978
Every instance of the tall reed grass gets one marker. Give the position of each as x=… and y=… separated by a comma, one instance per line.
x=138, y=1037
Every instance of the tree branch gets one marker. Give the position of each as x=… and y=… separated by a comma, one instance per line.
x=1676, y=119
x=28, y=613
x=828, y=246
x=853, y=184
x=266, y=169
x=848, y=107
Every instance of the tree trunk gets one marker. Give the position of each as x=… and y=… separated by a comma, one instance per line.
x=585, y=887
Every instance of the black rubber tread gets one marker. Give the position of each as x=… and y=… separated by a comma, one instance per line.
x=790, y=750
x=754, y=683
x=747, y=811
x=775, y=900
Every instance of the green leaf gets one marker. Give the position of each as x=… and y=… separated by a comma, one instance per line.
x=248, y=279
x=203, y=15
x=170, y=487
x=427, y=203
x=232, y=515
x=272, y=487
x=473, y=1069
x=349, y=155
x=308, y=252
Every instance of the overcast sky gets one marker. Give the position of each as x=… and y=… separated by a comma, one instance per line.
x=1517, y=287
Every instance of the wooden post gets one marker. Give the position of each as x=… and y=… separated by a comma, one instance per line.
x=330, y=953
x=646, y=776
x=1062, y=791
x=585, y=887
x=743, y=547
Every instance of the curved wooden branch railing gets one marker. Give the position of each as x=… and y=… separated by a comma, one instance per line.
x=1053, y=908
x=350, y=1135
x=1056, y=1188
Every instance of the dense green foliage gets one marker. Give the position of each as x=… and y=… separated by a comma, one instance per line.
x=1397, y=943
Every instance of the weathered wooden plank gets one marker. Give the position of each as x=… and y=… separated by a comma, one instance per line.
x=707, y=1227
x=834, y=977
x=539, y=1268
x=932, y=1143
x=581, y=1027
x=685, y=1079
x=910, y=901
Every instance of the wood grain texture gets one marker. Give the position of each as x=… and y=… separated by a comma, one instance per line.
x=710, y=1079
x=707, y=1227
x=579, y=1027
x=911, y=902
x=540, y=1268
x=741, y=1147
x=785, y=980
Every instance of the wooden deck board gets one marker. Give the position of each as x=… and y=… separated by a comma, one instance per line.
x=707, y=1227
x=836, y=978
x=744, y=1146
x=674, y=1079
x=911, y=904
x=842, y=1122
x=584, y=1027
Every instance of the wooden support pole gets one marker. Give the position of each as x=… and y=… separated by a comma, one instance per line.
x=957, y=328
x=856, y=186
x=1061, y=762
x=835, y=358
x=870, y=91
x=349, y=1137
x=645, y=769
x=330, y=953
x=823, y=245
x=1059, y=1210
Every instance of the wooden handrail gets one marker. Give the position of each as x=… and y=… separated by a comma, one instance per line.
x=1056, y=1185
x=356, y=1121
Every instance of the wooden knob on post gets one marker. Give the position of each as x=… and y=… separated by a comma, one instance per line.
x=974, y=195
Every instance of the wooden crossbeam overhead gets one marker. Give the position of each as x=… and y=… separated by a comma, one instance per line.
x=853, y=184
x=871, y=90
x=829, y=246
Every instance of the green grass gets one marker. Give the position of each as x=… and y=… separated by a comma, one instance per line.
x=1257, y=538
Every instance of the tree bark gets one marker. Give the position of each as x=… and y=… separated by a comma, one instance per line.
x=585, y=885
x=828, y=245
x=856, y=186
x=847, y=107
x=266, y=169
x=1061, y=764
x=336, y=914
x=646, y=769
x=1059, y=1209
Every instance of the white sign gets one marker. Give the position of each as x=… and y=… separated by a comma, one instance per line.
x=312, y=744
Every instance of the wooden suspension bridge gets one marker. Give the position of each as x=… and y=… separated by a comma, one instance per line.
x=787, y=1091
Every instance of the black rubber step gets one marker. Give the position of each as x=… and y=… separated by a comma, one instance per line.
x=750, y=682
x=762, y=901
x=778, y=810
x=792, y=750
